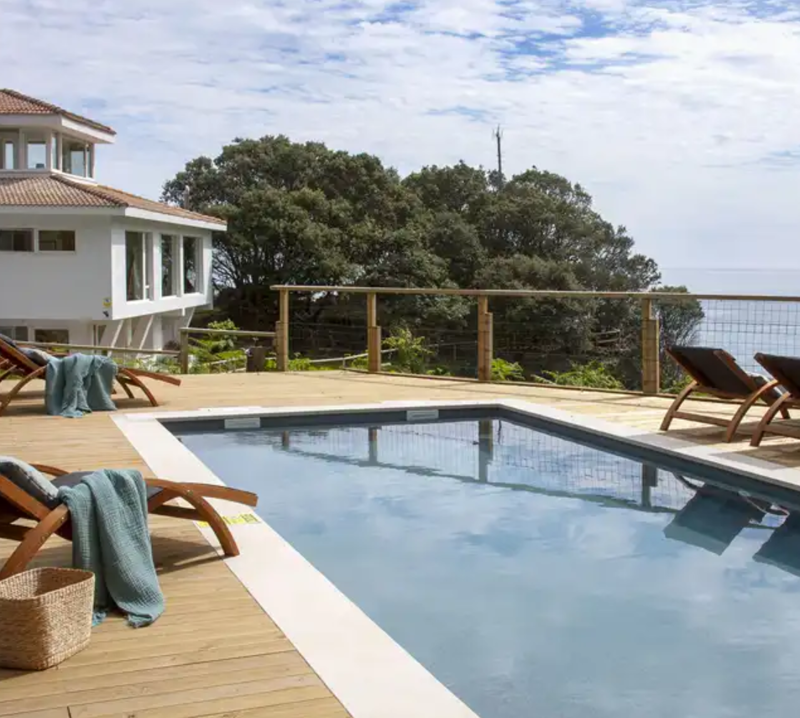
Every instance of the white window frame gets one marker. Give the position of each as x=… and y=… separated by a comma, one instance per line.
x=13, y=138
x=54, y=252
x=88, y=156
x=34, y=239
x=39, y=139
x=143, y=298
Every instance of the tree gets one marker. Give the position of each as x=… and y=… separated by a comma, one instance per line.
x=301, y=213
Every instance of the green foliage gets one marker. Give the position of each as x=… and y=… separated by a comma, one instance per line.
x=300, y=213
x=503, y=370
x=410, y=354
x=216, y=354
x=298, y=363
x=593, y=375
x=674, y=385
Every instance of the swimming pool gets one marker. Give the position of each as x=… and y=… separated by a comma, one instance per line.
x=536, y=575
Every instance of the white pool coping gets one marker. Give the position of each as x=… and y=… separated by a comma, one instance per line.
x=371, y=674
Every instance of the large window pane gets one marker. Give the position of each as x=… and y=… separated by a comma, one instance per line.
x=37, y=154
x=167, y=265
x=191, y=265
x=134, y=265
x=73, y=157
x=16, y=240
x=54, y=152
x=9, y=158
x=61, y=240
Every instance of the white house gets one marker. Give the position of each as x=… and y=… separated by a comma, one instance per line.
x=82, y=263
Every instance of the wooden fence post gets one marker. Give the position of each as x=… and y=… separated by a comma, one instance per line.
x=651, y=364
x=373, y=334
x=485, y=340
x=282, y=332
x=184, y=355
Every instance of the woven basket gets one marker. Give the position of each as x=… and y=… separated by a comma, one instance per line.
x=45, y=617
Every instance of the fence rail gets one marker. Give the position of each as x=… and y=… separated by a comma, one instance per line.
x=641, y=350
x=96, y=348
x=186, y=333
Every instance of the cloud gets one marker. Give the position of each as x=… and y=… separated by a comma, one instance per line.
x=680, y=117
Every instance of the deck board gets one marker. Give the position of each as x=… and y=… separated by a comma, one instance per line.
x=215, y=652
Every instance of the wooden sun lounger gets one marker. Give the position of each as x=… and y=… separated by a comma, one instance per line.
x=716, y=373
x=786, y=371
x=16, y=503
x=14, y=361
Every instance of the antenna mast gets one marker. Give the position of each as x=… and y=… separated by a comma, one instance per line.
x=498, y=135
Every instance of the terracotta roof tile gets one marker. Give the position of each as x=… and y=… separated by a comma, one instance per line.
x=15, y=103
x=56, y=191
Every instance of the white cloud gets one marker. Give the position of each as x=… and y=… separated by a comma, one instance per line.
x=677, y=116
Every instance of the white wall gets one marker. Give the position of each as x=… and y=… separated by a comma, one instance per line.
x=75, y=290
x=121, y=308
x=69, y=286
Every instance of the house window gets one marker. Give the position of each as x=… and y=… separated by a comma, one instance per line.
x=18, y=334
x=134, y=265
x=61, y=240
x=8, y=157
x=37, y=154
x=16, y=240
x=168, y=288
x=51, y=336
x=54, y=154
x=73, y=157
x=191, y=265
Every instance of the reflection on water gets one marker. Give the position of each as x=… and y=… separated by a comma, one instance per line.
x=536, y=576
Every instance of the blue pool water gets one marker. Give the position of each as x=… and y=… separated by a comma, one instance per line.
x=534, y=576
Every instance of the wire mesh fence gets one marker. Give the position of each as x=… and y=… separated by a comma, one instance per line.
x=745, y=328
x=581, y=339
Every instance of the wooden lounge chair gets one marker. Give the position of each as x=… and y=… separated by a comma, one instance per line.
x=787, y=372
x=16, y=503
x=716, y=373
x=17, y=363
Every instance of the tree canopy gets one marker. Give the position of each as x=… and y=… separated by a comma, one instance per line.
x=300, y=213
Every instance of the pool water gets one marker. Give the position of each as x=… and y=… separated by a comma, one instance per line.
x=534, y=576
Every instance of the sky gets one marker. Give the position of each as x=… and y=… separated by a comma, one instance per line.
x=680, y=117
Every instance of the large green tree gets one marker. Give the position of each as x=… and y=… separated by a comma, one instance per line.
x=300, y=213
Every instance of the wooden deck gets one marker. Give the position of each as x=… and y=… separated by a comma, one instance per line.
x=214, y=652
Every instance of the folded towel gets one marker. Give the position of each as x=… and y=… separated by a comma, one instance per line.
x=79, y=384
x=110, y=537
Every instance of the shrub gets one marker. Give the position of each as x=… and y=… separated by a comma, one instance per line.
x=411, y=353
x=503, y=370
x=594, y=375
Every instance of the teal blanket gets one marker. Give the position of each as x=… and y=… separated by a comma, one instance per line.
x=110, y=537
x=79, y=384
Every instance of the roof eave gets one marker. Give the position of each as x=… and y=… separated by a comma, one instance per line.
x=165, y=218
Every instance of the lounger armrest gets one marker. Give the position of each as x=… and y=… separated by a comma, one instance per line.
x=50, y=470
x=207, y=491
